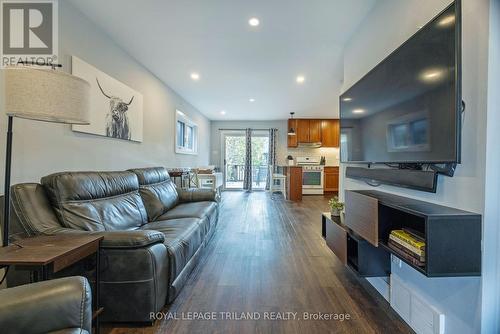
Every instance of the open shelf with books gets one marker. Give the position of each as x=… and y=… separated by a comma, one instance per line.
x=435, y=240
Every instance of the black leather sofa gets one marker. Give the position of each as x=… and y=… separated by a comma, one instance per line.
x=62, y=306
x=154, y=233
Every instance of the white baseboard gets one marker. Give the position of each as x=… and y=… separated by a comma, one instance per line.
x=382, y=285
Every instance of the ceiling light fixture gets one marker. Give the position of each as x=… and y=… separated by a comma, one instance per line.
x=347, y=99
x=254, y=22
x=358, y=111
x=300, y=79
x=195, y=76
x=291, y=132
x=222, y=112
x=251, y=100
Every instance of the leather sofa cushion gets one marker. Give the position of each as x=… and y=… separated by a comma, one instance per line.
x=193, y=209
x=96, y=201
x=183, y=237
x=197, y=195
x=158, y=191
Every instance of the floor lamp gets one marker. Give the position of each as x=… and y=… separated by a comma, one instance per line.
x=40, y=95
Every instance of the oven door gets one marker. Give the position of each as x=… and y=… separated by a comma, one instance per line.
x=312, y=179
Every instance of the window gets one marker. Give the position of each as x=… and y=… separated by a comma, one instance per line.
x=186, y=134
x=409, y=133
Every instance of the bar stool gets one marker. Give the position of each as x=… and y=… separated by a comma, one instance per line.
x=277, y=186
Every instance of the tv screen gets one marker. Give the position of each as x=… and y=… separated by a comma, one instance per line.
x=407, y=109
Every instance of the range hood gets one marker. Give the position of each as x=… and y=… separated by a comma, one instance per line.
x=310, y=145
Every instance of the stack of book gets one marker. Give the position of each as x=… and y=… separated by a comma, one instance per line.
x=409, y=244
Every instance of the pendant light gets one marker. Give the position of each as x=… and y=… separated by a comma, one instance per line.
x=291, y=131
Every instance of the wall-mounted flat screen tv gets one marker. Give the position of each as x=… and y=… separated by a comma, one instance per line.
x=408, y=108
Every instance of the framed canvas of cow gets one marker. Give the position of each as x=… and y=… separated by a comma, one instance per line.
x=115, y=109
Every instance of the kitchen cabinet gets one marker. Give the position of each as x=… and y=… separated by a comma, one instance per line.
x=292, y=140
x=294, y=183
x=324, y=131
x=331, y=181
x=303, y=130
x=330, y=133
x=314, y=131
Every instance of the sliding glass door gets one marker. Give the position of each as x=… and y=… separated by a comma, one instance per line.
x=233, y=149
x=260, y=156
x=233, y=158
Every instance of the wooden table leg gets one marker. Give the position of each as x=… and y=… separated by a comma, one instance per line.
x=97, y=289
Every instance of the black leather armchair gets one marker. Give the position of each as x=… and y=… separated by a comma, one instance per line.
x=62, y=306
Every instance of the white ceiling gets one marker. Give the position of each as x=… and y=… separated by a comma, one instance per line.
x=235, y=61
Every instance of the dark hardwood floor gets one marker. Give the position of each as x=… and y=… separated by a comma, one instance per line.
x=268, y=256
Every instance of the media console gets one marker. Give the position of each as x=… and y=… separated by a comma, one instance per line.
x=452, y=236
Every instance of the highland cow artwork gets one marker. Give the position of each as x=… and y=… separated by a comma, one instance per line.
x=116, y=109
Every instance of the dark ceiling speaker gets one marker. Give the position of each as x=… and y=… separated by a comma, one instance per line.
x=406, y=178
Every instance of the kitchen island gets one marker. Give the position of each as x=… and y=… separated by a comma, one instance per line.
x=293, y=182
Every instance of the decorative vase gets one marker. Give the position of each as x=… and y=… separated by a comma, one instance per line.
x=335, y=212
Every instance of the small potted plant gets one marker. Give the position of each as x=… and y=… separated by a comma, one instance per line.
x=336, y=206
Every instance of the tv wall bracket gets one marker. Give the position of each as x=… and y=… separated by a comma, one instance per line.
x=445, y=169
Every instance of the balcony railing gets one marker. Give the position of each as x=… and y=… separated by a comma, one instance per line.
x=236, y=173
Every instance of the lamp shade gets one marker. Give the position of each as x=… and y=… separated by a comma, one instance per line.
x=46, y=95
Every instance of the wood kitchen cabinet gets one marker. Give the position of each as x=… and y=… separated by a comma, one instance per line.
x=303, y=130
x=324, y=131
x=330, y=133
x=294, y=183
x=292, y=140
x=331, y=181
x=314, y=131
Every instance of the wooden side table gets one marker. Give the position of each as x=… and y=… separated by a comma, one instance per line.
x=46, y=255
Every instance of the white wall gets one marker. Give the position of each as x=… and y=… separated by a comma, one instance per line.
x=43, y=148
x=491, y=260
x=215, y=148
x=389, y=24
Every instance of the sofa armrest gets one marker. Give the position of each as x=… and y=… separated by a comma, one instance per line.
x=118, y=239
x=131, y=239
x=47, y=306
x=197, y=195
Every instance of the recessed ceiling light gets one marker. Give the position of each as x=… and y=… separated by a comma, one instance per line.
x=251, y=100
x=222, y=112
x=358, y=111
x=195, y=76
x=347, y=99
x=254, y=22
x=300, y=79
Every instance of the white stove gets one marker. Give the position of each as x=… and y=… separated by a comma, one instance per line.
x=312, y=175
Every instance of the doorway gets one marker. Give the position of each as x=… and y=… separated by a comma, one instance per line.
x=233, y=158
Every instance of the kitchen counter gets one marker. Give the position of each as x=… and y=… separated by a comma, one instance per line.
x=294, y=175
